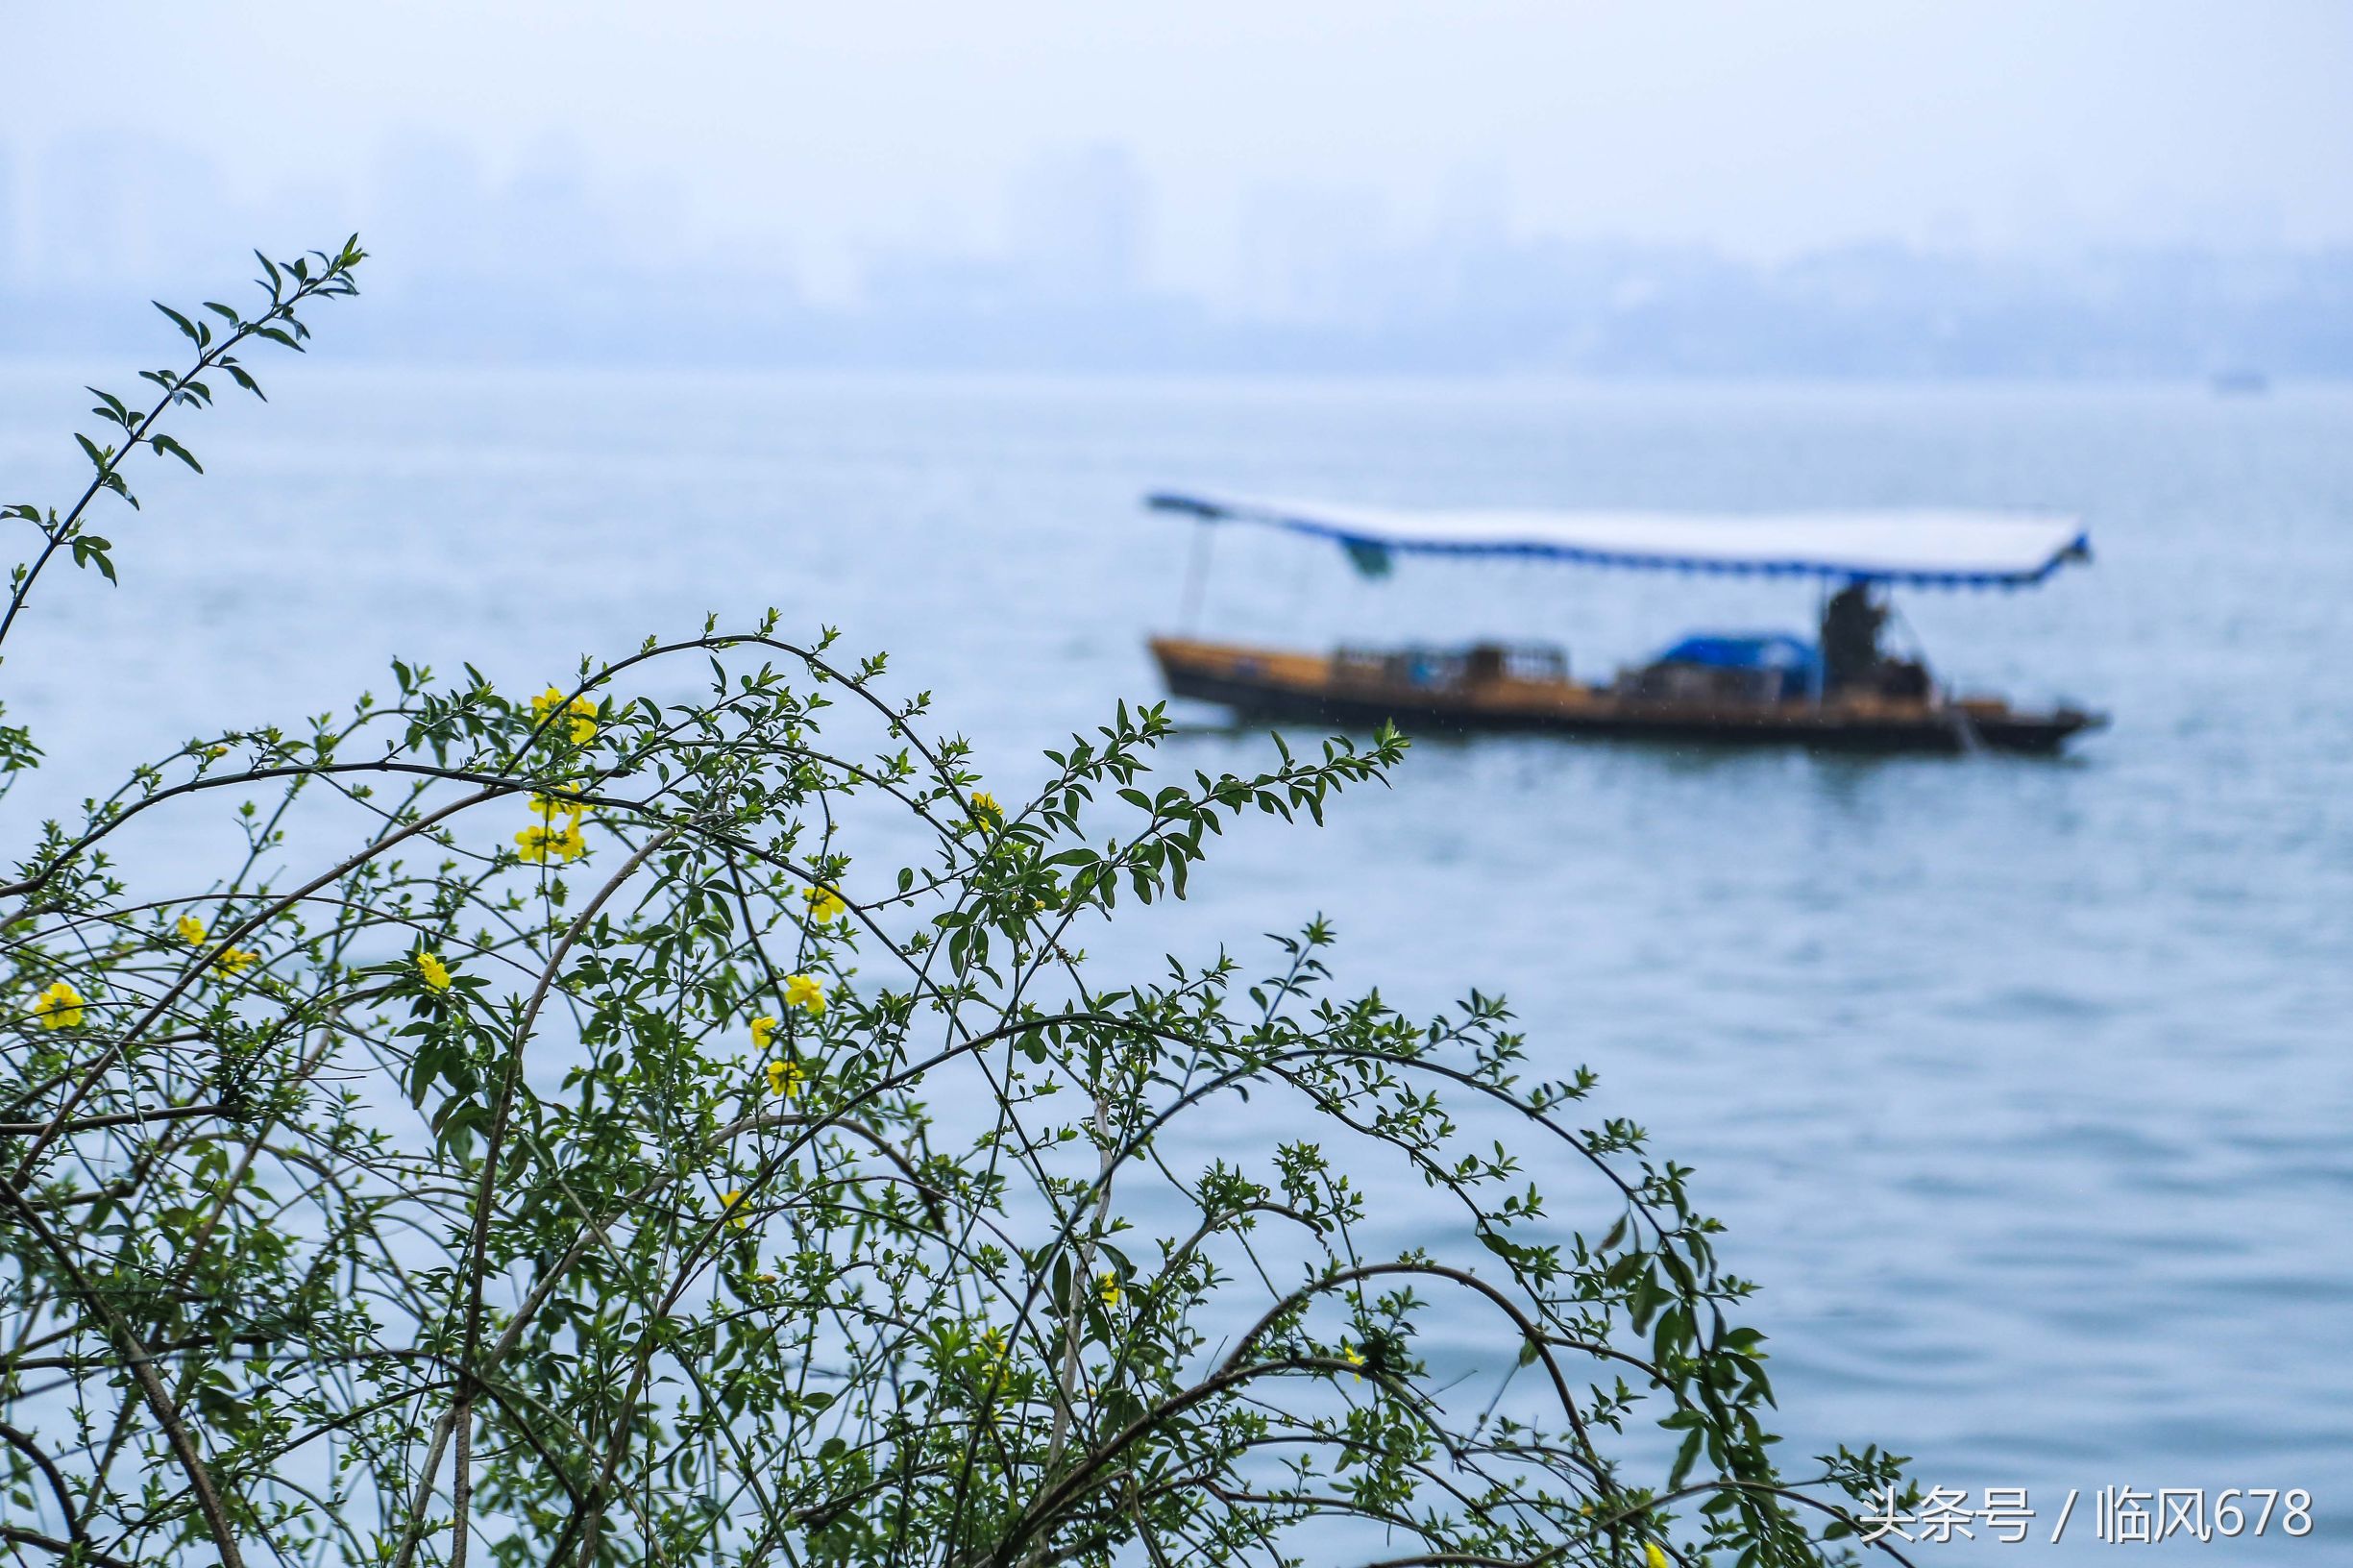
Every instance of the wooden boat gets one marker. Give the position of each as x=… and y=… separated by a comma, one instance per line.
x=1485, y=688
x=1731, y=688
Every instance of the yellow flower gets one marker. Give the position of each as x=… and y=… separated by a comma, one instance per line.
x=785, y=1078
x=543, y=843
x=234, y=961
x=1653, y=1556
x=1352, y=1357
x=579, y=709
x=727, y=1203
x=763, y=1030
x=806, y=992
x=192, y=930
x=992, y=1341
x=825, y=906
x=985, y=807
x=59, y=1007
x=434, y=974
x=1110, y=1287
x=547, y=807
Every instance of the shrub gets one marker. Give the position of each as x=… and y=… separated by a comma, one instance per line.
x=563, y=1132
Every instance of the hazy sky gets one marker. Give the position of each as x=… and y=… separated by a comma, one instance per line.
x=819, y=129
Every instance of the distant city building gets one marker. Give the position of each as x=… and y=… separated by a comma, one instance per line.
x=1077, y=223
x=115, y=205
x=11, y=222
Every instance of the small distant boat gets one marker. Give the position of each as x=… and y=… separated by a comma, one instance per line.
x=1839, y=691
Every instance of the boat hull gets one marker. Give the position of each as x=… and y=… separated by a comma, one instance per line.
x=1272, y=684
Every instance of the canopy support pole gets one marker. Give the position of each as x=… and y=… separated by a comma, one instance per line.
x=1197, y=577
x=1815, y=682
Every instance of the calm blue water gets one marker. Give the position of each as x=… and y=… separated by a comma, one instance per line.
x=2024, y=1086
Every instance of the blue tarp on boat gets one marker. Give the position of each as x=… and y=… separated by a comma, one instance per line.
x=1745, y=650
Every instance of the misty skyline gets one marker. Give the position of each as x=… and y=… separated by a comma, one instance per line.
x=1763, y=132
x=2150, y=189
x=553, y=261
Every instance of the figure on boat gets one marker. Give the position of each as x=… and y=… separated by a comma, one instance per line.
x=1851, y=623
x=1853, y=620
x=1843, y=689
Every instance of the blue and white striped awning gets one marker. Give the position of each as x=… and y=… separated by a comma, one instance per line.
x=1929, y=548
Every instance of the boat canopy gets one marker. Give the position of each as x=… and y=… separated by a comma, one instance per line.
x=1929, y=548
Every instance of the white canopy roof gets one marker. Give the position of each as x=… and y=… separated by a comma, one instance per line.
x=1930, y=548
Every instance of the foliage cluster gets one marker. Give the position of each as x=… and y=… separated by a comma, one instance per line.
x=564, y=1132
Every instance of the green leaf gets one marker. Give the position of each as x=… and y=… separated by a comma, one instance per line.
x=164, y=443
x=91, y=551
x=1685, y=1458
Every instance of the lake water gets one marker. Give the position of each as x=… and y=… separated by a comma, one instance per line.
x=2024, y=1085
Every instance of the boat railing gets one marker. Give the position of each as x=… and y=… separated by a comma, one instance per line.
x=1418, y=665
